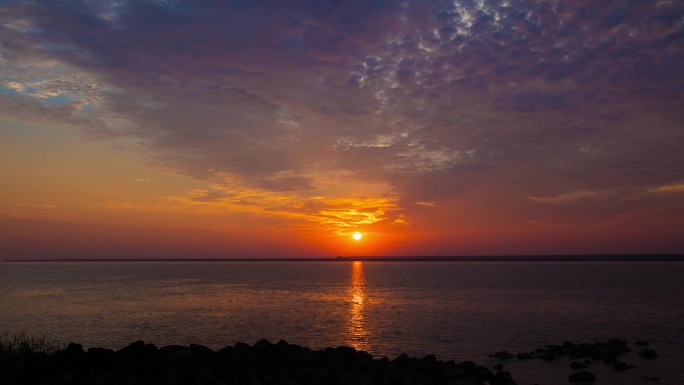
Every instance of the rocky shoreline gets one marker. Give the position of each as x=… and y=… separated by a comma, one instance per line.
x=266, y=363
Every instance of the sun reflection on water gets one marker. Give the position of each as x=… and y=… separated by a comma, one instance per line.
x=358, y=335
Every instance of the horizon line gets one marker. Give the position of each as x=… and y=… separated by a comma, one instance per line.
x=655, y=257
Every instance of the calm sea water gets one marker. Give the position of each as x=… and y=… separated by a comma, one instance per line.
x=455, y=310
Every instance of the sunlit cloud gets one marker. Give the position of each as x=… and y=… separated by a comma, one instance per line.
x=37, y=205
x=673, y=188
x=571, y=197
x=426, y=204
x=45, y=211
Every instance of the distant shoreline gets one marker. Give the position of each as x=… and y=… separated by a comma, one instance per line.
x=500, y=258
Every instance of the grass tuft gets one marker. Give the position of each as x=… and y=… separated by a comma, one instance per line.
x=22, y=344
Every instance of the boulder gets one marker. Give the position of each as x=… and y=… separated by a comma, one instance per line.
x=503, y=355
x=502, y=378
x=170, y=349
x=132, y=351
x=363, y=358
x=99, y=356
x=648, y=353
x=582, y=377
x=619, y=365
x=75, y=350
x=201, y=350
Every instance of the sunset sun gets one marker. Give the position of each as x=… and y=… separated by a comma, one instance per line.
x=357, y=236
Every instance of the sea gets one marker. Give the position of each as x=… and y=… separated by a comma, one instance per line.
x=456, y=310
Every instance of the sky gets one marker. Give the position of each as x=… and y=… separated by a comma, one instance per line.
x=224, y=129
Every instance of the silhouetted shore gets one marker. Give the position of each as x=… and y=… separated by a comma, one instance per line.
x=287, y=364
x=262, y=363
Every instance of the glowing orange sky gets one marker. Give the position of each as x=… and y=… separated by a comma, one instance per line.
x=181, y=130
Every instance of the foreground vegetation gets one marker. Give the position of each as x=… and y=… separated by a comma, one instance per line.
x=22, y=344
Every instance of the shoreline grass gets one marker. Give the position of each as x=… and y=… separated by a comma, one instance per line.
x=23, y=344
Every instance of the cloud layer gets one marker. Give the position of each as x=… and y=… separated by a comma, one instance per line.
x=280, y=104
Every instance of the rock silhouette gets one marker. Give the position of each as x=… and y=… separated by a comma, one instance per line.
x=262, y=363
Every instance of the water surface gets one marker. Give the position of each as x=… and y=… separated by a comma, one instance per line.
x=455, y=310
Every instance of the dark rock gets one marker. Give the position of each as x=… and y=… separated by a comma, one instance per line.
x=650, y=378
x=132, y=351
x=263, y=363
x=502, y=378
x=74, y=349
x=184, y=354
x=466, y=366
x=572, y=350
x=321, y=377
x=363, y=358
x=578, y=365
x=263, y=344
x=498, y=367
x=201, y=350
x=149, y=350
x=243, y=349
x=503, y=355
x=345, y=377
x=524, y=356
x=346, y=353
x=616, y=341
x=641, y=343
x=170, y=349
x=589, y=350
x=265, y=356
x=427, y=362
x=403, y=360
x=648, y=353
x=547, y=357
x=622, y=366
x=582, y=377
x=100, y=354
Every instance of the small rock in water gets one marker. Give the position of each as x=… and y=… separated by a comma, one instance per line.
x=502, y=378
x=622, y=366
x=582, y=377
x=503, y=355
x=498, y=367
x=523, y=356
x=648, y=353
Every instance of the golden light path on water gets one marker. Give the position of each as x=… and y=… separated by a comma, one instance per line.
x=358, y=335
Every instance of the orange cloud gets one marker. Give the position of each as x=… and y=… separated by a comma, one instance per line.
x=673, y=188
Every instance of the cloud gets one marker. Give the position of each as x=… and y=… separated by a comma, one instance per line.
x=571, y=197
x=37, y=205
x=35, y=210
x=426, y=204
x=432, y=99
x=673, y=188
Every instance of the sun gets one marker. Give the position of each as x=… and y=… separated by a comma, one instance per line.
x=357, y=236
